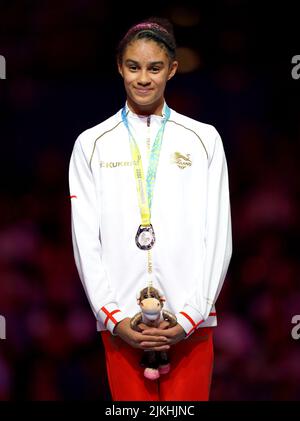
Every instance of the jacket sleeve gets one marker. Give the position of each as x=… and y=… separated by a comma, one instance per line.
x=86, y=240
x=218, y=245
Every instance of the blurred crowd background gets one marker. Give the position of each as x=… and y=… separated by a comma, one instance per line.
x=235, y=73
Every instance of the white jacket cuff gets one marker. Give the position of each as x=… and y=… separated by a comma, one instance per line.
x=190, y=319
x=110, y=315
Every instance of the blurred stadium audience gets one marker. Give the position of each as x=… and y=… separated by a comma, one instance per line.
x=62, y=79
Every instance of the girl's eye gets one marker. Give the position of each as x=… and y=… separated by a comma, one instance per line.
x=155, y=69
x=133, y=68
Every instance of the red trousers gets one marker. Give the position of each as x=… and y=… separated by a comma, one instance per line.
x=188, y=380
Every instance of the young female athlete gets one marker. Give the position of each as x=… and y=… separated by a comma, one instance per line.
x=150, y=204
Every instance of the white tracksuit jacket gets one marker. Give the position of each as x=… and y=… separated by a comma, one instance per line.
x=190, y=216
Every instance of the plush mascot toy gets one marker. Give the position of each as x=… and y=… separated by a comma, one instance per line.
x=151, y=302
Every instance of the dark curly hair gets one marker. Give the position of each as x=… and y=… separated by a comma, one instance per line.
x=157, y=29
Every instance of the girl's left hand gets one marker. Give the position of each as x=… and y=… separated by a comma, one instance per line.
x=173, y=334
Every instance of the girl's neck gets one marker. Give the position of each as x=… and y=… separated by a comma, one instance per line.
x=153, y=109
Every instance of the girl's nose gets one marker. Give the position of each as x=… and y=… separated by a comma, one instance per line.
x=143, y=78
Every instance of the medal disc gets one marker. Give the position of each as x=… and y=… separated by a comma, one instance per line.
x=145, y=237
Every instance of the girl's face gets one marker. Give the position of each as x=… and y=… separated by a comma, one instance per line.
x=146, y=68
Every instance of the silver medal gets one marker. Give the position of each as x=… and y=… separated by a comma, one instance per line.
x=145, y=237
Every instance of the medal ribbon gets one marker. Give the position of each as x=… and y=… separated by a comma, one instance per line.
x=145, y=187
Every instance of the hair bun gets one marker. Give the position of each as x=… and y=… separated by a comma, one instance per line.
x=163, y=22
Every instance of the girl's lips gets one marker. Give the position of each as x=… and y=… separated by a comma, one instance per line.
x=142, y=91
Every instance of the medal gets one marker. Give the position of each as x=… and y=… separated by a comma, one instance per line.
x=145, y=237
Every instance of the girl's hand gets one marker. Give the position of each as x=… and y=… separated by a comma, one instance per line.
x=173, y=334
x=140, y=340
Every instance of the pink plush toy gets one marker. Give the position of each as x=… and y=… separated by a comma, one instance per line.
x=151, y=302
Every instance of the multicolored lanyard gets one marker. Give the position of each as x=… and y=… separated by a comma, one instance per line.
x=145, y=186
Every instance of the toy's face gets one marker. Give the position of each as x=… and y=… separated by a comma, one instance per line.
x=150, y=302
x=150, y=306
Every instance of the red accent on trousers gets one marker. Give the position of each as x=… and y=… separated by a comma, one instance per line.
x=188, y=380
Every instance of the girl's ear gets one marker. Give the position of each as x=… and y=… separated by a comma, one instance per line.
x=173, y=69
x=120, y=69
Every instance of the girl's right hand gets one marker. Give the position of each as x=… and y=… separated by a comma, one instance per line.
x=133, y=338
